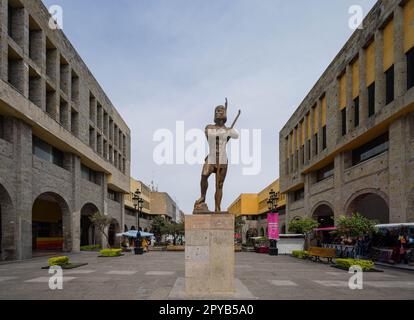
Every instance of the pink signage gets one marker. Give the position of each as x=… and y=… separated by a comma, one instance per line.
x=273, y=226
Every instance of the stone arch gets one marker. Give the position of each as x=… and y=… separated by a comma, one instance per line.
x=51, y=223
x=7, y=226
x=371, y=203
x=88, y=233
x=324, y=213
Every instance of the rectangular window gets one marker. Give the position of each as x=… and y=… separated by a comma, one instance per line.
x=114, y=196
x=389, y=85
x=316, y=144
x=57, y=157
x=356, y=112
x=42, y=149
x=45, y=151
x=90, y=175
x=309, y=149
x=299, y=195
x=324, y=138
x=371, y=100
x=325, y=172
x=343, y=121
x=371, y=149
x=410, y=69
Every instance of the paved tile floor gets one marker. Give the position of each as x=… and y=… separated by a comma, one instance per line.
x=155, y=274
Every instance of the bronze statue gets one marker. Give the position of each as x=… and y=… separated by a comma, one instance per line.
x=218, y=135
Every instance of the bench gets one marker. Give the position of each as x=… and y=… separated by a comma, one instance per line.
x=317, y=253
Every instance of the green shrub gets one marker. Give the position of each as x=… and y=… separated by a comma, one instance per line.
x=91, y=247
x=58, y=261
x=300, y=254
x=110, y=252
x=348, y=263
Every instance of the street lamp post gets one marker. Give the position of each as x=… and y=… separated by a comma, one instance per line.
x=272, y=204
x=138, y=204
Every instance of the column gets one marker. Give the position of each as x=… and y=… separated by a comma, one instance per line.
x=76, y=202
x=397, y=171
x=400, y=59
x=22, y=153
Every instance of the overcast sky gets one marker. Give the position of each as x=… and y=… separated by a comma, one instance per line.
x=163, y=61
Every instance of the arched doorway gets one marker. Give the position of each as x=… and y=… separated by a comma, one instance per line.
x=50, y=224
x=7, y=227
x=88, y=231
x=324, y=215
x=371, y=205
x=114, y=228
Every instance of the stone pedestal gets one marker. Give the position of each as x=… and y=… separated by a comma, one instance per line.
x=209, y=255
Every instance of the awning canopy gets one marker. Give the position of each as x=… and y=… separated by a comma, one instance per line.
x=135, y=234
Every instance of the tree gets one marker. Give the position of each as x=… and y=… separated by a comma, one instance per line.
x=355, y=225
x=101, y=222
x=176, y=230
x=304, y=226
x=159, y=227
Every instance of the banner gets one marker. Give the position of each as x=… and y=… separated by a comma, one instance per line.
x=273, y=226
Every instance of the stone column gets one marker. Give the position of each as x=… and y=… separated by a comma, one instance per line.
x=76, y=202
x=380, y=84
x=338, y=184
x=400, y=59
x=22, y=153
x=398, y=187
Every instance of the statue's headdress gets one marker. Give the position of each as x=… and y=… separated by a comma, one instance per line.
x=225, y=111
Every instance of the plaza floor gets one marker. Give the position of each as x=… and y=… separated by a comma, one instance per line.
x=155, y=275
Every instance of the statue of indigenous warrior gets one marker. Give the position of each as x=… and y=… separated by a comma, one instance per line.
x=218, y=135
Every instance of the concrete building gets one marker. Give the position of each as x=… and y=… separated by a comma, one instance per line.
x=163, y=205
x=131, y=222
x=253, y=209
x=349, y=147
x=64, y=149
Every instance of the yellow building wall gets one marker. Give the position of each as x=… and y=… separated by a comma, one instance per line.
x=255, y=204
x=370, y=64
x=324, y=106
x=245, y=204
x=388, y=45
x=134, y=186
x=408, y=25
x=315, y=119
x=342, y=92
